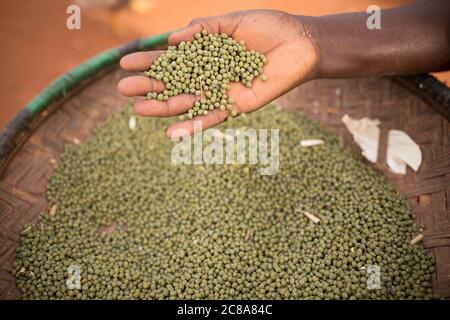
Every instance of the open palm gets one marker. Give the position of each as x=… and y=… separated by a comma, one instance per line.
x=280, y=36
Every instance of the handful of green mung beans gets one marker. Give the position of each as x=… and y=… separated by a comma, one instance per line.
x=205, y=67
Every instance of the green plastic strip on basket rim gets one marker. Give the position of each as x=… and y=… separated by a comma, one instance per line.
x=60, y=86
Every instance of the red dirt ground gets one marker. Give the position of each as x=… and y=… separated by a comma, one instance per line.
x=36, y=47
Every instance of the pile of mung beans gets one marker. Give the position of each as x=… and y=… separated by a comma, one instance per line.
x=137, y=227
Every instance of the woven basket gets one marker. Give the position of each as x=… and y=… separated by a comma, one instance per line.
x=73, y=105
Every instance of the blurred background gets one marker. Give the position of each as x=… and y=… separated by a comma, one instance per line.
x=36, y=46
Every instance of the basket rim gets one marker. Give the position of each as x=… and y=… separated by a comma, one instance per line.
x=61, y=86
x=425, y=86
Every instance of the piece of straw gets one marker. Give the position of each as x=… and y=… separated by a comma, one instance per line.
x=416, y=239
x=310, y=216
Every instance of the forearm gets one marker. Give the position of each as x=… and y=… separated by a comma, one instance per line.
x=412, y=39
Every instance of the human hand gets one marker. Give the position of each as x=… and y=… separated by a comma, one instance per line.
x=281, y=37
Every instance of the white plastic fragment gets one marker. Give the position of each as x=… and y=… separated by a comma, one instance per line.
x=366, y=134
x=132, y=122
x=402, y=151
x=311, y=142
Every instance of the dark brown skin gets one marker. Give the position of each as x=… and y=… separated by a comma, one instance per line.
x=413, y=39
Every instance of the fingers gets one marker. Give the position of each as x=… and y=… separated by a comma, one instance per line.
x=172, y=107
x=187, y=34
x=215, y=24
x=139, y=61
x=197, y=25
x=188, y=127
x=139, y=86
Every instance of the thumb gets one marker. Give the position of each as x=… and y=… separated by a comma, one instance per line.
x=211, y=24
x=186, y=34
